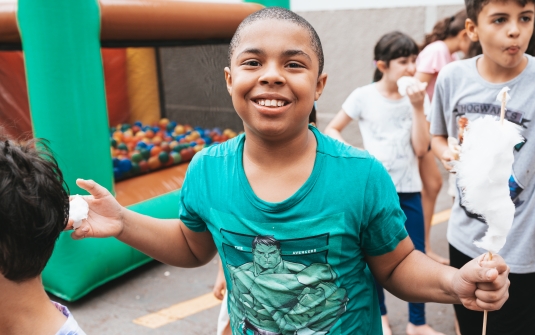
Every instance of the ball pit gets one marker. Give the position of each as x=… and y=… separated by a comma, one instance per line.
x=138, y=148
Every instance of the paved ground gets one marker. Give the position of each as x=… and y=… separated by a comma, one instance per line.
x=111, y=309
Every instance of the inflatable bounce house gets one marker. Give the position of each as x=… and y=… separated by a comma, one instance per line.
x=71, y=69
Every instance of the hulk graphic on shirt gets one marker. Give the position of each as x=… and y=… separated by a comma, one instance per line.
x=272, y=296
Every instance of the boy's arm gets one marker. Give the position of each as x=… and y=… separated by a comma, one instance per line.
x=168, y=241
x=409, y=274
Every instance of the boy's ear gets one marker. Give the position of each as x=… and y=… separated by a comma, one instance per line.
x=320, y=85
x=471, y=30
x=228, y=79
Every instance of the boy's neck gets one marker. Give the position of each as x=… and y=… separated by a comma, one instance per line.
x=26, y=309
x=495, y=73
x=274, y=154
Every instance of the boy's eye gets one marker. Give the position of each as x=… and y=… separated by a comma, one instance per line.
x=499, y=20
x=251, y=63
x=294, y=65
x=525, y=19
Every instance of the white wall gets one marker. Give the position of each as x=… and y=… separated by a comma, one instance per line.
x=317, y=5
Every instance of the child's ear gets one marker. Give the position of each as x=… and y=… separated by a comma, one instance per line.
x=381, y=65
x=320, y=85
x=471, y=30
x=228, y=79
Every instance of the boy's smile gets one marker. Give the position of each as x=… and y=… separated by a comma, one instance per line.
x=273, y=78
x=504, y=29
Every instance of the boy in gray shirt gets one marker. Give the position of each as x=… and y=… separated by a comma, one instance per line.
x=467, y=90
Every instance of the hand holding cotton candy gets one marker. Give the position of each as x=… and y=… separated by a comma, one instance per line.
x=405, y=82
x=78, y=210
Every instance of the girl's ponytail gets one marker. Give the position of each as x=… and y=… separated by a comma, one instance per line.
x=448, y=27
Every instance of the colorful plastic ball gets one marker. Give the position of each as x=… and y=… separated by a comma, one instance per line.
x=143, y=166
x=141, y=144
x=154, y=163
x=155, y=151
x=122, y=147
x=187, y=154
x=165, y=147
x=192, y=143
x=176, y=157
x=145, y=128
x=113, y=142
x=198, y=147
x=163, y=157
x=149, y=133
x=155, y=129
x=145, y=153
x=125, y=165
x=163, y=123
x=137, y=157
x=138, y=123
x=157, y=140
x=150, y=146
x=125, y=126
x=115, y=161
x=179, y=129
x=207, y=140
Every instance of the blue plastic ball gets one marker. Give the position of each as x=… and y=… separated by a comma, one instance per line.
x=139, y=124
x=115, y=161
x=125, y=165
x=117, y=173
x=192, y=144
x=141, y=144
x=155, y=129
x=207, y=140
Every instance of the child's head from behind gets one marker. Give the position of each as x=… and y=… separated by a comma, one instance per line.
x=503, y=27
x=450, y=28
x=33, y=211
x=275, y=72
x=395, y=56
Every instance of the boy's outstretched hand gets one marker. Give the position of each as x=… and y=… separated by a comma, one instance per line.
x=483, y=284
x=104, y=218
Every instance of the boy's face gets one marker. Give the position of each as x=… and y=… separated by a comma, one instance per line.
x=504, y=29
x=273, y=79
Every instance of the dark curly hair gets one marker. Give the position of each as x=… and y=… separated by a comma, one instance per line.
x=34, y=207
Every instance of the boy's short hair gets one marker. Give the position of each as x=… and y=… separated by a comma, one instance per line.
x=474, y=7
x=278, y=13
x=34, y=207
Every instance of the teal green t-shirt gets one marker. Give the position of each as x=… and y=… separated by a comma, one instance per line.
x=297, y=266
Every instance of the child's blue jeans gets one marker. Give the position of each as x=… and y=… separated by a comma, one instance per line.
x=411, y=204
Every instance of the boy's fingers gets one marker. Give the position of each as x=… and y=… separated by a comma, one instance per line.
x=485, y=292
x=81, y=232
x=96, y=190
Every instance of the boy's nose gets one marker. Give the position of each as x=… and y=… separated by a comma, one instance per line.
x=272, y=75
x=514, y=30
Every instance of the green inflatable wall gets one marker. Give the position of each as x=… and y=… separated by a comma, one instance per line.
x=61, y=44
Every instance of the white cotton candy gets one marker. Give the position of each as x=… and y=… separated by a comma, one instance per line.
x=404, y=83
x=78, y=209
x=483, y=172
x=503, y=91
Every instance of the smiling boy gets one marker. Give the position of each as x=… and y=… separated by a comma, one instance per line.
x=467, y=90
x=301, y=221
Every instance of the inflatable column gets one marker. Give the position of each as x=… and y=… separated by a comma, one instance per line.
x=272, y=3
x=61, y=44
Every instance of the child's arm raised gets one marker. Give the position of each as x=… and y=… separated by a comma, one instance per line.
x=420, y=137
x=409, y=274
x=168, y=241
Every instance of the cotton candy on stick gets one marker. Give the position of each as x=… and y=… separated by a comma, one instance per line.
x=78, y=210
x=483, y=173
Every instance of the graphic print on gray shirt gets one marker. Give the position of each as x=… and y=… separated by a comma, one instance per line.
x=462, y=95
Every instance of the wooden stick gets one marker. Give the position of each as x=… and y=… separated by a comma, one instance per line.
x=504, y=101
x=485, y=313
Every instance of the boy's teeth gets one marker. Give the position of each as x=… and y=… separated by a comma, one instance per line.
x=270, y=103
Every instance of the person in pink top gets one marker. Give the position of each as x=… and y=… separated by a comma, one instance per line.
x=448, y=37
